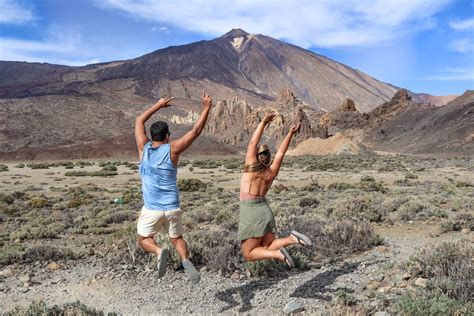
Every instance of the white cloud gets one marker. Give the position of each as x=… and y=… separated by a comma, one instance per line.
x=50, y=51
x=454, y=74
x=463, y=45
x=462, y=25
x=13, y=12
x=160, y=29
x=323, y=23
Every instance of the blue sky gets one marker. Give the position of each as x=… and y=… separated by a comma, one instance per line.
x=423, y=45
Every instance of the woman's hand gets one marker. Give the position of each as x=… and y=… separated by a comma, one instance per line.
x=268, y=118
x=295, y=128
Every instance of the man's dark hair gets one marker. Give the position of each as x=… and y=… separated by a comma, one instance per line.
x=158, y=131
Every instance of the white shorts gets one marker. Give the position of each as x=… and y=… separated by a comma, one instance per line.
x=169, y=222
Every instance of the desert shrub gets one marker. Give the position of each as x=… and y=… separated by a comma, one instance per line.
x=449, y=226
x=206, y=164
x=132, y=194
x=232, y=163
x=20, y=165
x=109, y=168
x=427, y=303
x=393, y=204
x=341, y=186
x=183, y=162
x=40, y=308
x=309, y=202
x=278, y=188
x=47, y=253
x=78, y=201
x=313, y=186
x=449, y=268
x=83, y=163
x=6, y=198
x=417, y=208
x=332, y=239
x=40, y=165
x=367, y=179
x=265, y=268
x=321, y=166
x=461, y=221
x=11, y=254
x=463, y=203
x=411, y=176
x=190, y=185
x=360, y=207
x=39, y=202
x=464, y=184
x=120, y=217
x=101, y=173
x=3, y=167
x=345, y=299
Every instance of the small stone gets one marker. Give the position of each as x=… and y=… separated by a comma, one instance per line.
x=384, y=289
x=293, y=307
x=6, y=272
x=465, y=230
x=378, y=277
x=380, y=313
x=53, y=266
x=402, y=284
x=406, y=276
x=315, y=265
x=235, y=276
x=373, y=285
x=204, y=269
x=24, y=278
x=24, y=290
x=421, y=282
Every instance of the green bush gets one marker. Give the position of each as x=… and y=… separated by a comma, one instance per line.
x=433, y=304
x=341, y=186
x=191, y=185
x=360, y=207
x=39, y=202
x=109, y=168
x=206, y=164
x=101, y=173
x=3, y=168
x=309, y=202
x=41, y=165
x=20, y=165
x=417, y=208
x=449, y=268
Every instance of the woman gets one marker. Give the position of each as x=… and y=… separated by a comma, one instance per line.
x=256, y=221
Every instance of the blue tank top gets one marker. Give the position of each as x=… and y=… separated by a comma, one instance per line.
x=159, y=188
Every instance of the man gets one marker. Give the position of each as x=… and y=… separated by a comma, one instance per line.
x=158, y=169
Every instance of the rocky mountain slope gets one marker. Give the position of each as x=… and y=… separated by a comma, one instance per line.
x=53, y=111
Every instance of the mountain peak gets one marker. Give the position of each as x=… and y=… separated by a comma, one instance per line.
x=235, y=33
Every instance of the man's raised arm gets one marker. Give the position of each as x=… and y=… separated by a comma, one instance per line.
x=140, y=133
x=181, y=144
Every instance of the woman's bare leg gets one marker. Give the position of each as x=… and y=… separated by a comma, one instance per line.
x=273, y=243
x=253, y=251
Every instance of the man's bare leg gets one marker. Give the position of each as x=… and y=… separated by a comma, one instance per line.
x=181, y=247
x=148, y=244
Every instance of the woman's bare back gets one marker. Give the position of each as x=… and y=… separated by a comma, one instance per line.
x=256, y=184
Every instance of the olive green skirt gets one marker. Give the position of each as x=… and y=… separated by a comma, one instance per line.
x=255, y=219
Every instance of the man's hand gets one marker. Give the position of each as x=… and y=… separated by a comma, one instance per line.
x=206, y=100
x=295, y=128
x=268, y=118
x=164, y=102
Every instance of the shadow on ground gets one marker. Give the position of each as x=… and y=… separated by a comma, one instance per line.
x=319, y=285
x=247, y=292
